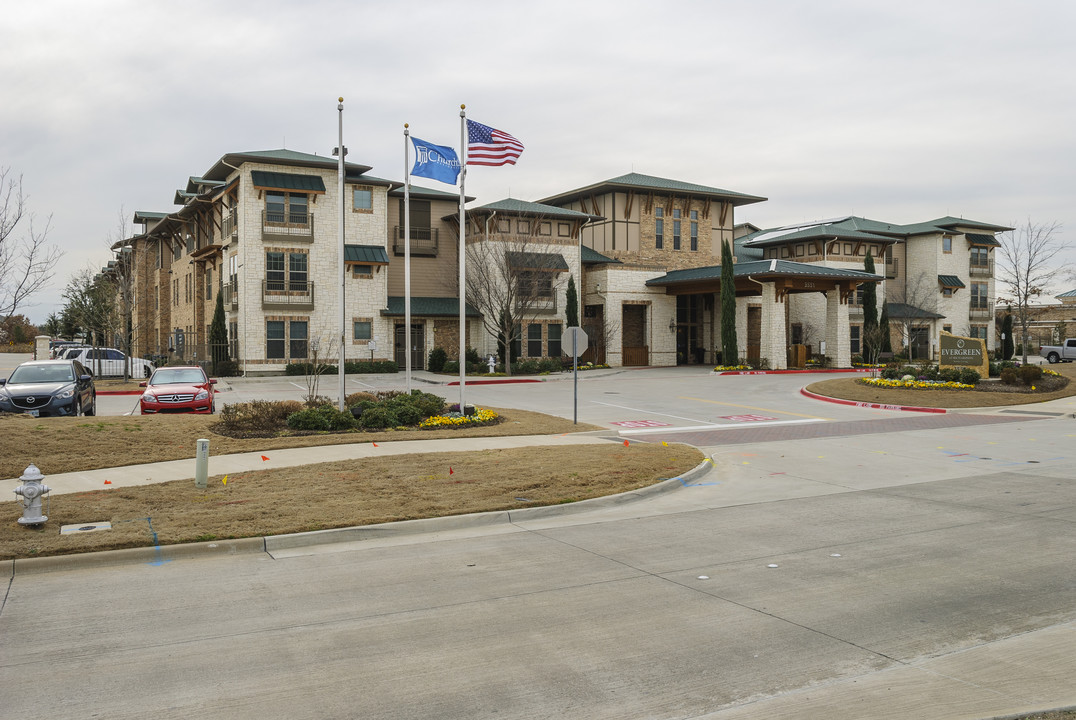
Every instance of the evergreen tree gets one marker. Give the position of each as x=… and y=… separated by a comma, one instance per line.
x=870, y=313
x=883, y=329
x=730, y=355
x=1007, y=344
x=218, y=335
x=571, y=302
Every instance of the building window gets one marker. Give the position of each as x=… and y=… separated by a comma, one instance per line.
x=209, y=283
x=294, y=279
x=854, y=331
x=564, y=230
x=659, y=228
x=947, y=328
x=534, y=340
x=233, y=340
x=797, y=334
x=504, y=226
x=297, y=275
x=274, y=339
x=523, y=227
x=359, y=271
x=362, y=200
x=274, y=272
x=362, y=330
x=978, y=296
x=979, y=331
x=283, y=208
x=535, y=284
x=980, y=257
x=676, y=229
x=177, y=250
x=694, y=230
x=947, y=244
x=297, y=334
x=545, y=228
x=799, y=250
x=947, y=292
x=554, y=334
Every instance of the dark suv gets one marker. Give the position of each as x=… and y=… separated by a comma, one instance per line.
x=49, y=387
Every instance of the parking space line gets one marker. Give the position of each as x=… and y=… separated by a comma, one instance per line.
x=752, y=407
x=726, y=426
x=648, y=412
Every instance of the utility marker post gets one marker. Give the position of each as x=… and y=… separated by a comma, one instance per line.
x=579, y=344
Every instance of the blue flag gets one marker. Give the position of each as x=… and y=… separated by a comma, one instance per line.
x=436, y=162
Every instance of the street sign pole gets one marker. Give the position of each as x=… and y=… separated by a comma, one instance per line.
x=575, y=381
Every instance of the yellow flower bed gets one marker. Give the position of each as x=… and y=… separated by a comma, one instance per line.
x=1055, y=373
x=916, y=384
x=481, y=416
x=722, y=368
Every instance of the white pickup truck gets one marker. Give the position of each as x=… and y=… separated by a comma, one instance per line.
x=1059, y=353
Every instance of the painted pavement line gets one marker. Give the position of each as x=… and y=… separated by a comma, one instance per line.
x=728, y=426
x=752, y=407
x=648, y=412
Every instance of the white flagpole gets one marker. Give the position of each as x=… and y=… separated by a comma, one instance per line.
x=463, y=269
x=340, y=249
x=407, y=256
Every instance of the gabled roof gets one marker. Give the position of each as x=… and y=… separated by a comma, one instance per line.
x=949, y=222
x=639, y=182
x=429, y=307
x=511, y=206
x=902, y=310
x=762, y=269
x=590, y=256
x=144, y=216
x=428, y=193
x=1069, y=294
x=223, y=167
x=536, y=261
x=864, y=229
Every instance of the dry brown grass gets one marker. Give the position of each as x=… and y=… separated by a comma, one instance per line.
x=343, y=494
x=849, y=389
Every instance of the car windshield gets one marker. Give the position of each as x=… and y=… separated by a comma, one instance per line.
x=170, y=376
x=42, y=374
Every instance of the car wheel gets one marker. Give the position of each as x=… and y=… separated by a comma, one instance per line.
x=93, y=405
x=146, y=372
x=1052, y=358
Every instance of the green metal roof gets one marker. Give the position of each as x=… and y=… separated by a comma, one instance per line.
x=428, y=193
x=536, y=261
x=522, y=207
x=761, y=269
x=429, y=307
x=142, y=216
x=977, y=239
x=950, y=281
x=590, y=255
x=904, y=311
x=365, y=255
x=287, y=181
x=227, y=164
x=1070, y=293
x=640, y=182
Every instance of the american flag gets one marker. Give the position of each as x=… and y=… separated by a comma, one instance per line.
x=489, y=146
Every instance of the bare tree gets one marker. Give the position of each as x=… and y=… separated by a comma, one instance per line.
x=26, y=260
x=512, y=282
x=122, y=276
x=1027, y=265
x=919, y=295
x=90, y=303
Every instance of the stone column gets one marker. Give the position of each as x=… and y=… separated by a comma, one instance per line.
x=741, y=332
x=773, y=346
x=838, y=336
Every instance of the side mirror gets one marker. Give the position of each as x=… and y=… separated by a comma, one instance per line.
x=142, y=384
x=212, y=381
x=3, y=381
x=85, y=378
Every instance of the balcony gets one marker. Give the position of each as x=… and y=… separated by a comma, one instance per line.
x=231, y=296
x=287, y=225
x=891, y=267
x=289, y=294
x=981, y=309
x=229, y=227
x=981, y=269
x=539, y=304
x=424, y=241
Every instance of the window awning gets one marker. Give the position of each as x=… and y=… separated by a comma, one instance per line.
x=287, y=181
x=547, y=262
x=987, y=240
x=365, y=255
x=950, y=281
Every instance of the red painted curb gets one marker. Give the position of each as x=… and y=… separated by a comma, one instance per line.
x=874, y=406
x=796, y=372
x=494, y=382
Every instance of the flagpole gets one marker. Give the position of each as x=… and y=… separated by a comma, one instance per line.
x=407, y=257
x=340, y=250
x=463, y=268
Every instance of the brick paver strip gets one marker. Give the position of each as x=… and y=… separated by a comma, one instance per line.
x=754, y=434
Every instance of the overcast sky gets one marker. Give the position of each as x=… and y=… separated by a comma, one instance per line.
x=901, y=112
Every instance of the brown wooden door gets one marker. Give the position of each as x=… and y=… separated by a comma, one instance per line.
x=754, y=333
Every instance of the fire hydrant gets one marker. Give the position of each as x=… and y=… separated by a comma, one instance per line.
x=31, y=491
x=492, y=362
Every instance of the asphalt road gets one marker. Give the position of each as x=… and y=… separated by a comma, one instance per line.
x=846, y=563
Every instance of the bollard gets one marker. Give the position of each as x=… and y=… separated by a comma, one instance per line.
x=201, y=464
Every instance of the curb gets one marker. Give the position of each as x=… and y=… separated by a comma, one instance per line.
x=494, y=382
x=874, y=406
x=819, y=371
x=267, y=544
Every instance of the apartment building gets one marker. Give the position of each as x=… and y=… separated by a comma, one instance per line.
x=262, y=230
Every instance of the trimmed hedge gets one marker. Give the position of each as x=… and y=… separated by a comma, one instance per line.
x=351, y=367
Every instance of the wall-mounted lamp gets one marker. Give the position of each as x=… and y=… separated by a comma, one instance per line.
x=672, y=324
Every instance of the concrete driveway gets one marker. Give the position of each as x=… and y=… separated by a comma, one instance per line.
x=895, y=567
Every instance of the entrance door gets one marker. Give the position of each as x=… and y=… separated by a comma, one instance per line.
x=418, y=346
x=754, y=334
x=636, y=352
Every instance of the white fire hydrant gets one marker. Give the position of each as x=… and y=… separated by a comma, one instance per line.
x=31, y=491
x=492, y=362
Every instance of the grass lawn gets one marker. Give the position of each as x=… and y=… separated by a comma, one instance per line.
x=299, y=499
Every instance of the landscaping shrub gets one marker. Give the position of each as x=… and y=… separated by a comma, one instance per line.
x=257, y=415
x=437, y=359
x=950, y=374
x=451, y=367
x=357, y=397
x=323, y=417
x=377, y=416
x=969, y=376
x=308, y=369
x=1029, y=374
x=226, y=368
x=369, y=367
x=1008, y=376
x=471, y=356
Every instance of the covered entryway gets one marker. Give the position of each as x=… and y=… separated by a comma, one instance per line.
x=636, y=352
x=754, y=334
x=418, y=346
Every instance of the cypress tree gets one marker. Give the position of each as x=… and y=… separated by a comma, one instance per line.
x=1007, y=344
x=870, y=313
x=218, y=335
x=571, y=303
x=883, y=328
x=730, y=354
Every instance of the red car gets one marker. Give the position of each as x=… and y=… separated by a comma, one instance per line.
x=178, y=390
